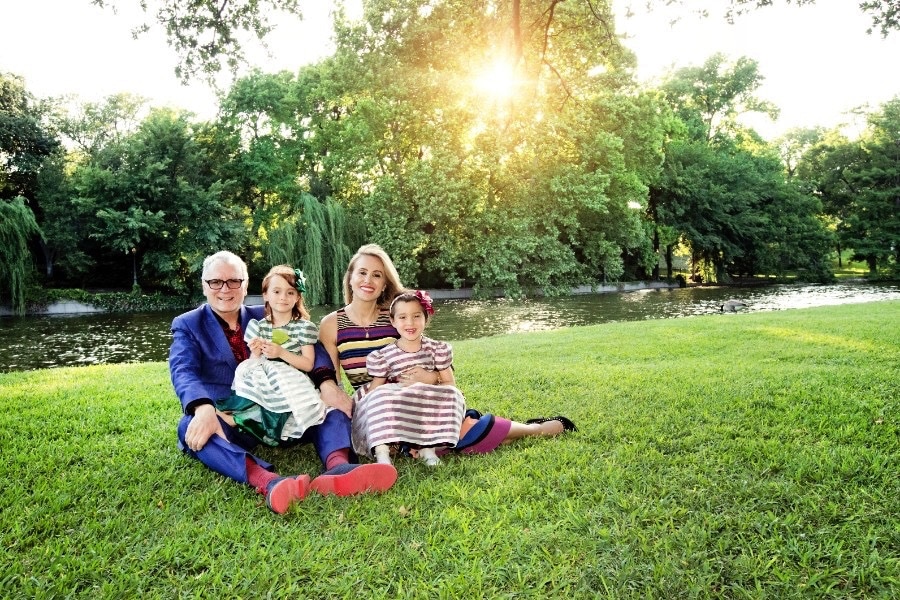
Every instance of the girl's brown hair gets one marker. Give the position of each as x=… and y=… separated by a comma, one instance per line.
x=288, y=274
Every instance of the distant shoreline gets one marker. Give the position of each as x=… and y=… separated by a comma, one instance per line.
x=73, y=307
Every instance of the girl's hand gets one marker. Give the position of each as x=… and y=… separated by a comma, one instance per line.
x=272, y=350
x=256, y=346
x=418, y=375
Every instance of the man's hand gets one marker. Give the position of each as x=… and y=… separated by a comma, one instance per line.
x=334, y=396
x=203, y=426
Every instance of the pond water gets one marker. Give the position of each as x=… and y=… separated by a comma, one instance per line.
x=37, y=342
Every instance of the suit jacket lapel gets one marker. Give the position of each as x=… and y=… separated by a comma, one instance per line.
x=223, y=348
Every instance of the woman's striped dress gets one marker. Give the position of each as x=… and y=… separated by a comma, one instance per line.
x=355, y=342
x=420, y=414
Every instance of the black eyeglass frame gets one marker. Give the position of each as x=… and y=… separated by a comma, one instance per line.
x=218, y=284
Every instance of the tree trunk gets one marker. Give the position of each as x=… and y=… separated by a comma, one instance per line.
x=655, y=274
x=48, y=259
x=669, y=248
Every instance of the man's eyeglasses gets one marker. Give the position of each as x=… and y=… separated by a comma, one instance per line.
x=217, y=284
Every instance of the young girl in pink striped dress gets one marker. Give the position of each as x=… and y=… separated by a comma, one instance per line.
x=396, y=410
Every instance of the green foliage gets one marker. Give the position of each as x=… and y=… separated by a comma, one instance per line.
x=759, y=462
x=25, y=139
x=709, y=98
x=569, y=175
x=465, y=185
x=96, y=127
x=724, y=192
x=859, y=183
x=885, y=14
x=873, y=225
x=63, y=245
x=317, y=238
x=133, y=301
x=158, y=201
x=17, y=228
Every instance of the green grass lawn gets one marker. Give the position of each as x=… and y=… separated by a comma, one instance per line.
x=745, y=455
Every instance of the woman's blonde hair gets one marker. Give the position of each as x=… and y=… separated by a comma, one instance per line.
x=392, y=285
x=290, y=275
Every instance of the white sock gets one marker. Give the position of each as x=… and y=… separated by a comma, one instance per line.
x=429, y=457
x=383, y=454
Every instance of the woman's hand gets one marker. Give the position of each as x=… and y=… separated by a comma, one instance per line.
x=336, y=397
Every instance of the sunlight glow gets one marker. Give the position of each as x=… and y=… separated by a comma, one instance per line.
x=497, y=81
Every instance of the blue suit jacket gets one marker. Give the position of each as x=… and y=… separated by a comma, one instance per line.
x=201, y=362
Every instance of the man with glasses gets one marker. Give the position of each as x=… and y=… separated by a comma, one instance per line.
x=207, y=345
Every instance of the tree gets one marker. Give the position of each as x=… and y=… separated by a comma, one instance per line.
x=873, y=226
x=723, y=190
x=63, y=225
x=24, y=138
x=885, y=14
x=157, y=202
x=318, y=237
x=859, y=184
x=794, y=144
x=17, y=227
x=709, y=98
x=821, y=170
x=515, y=186
x=207, y=34
x=93, y=127
x=94, y=132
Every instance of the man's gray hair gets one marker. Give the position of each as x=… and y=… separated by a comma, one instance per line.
x=229, y=258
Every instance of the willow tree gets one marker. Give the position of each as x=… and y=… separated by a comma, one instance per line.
x=317, y=237
x=17, y=228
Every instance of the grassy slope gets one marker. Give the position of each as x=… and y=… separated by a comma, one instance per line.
x=748, y=455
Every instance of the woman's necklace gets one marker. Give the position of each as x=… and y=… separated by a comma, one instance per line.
x=365, y=327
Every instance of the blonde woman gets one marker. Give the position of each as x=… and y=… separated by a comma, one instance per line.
x=351, y=333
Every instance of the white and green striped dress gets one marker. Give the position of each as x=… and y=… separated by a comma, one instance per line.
x=277, y=387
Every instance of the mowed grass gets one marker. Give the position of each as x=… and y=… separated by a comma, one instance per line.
x=736, y=456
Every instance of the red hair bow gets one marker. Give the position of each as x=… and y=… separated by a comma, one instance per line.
x=425, y=301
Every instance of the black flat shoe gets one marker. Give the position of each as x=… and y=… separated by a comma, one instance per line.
x=566, y=423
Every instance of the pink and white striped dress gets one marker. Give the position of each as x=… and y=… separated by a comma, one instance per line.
x=421, y=414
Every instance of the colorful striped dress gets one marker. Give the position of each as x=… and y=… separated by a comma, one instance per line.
x=355, y=342
x=273, y=400
x=421, y=414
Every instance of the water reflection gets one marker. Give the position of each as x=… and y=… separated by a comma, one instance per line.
x=462, y=319
x=41, y=341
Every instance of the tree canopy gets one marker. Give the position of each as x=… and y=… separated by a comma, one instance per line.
x=500, y=146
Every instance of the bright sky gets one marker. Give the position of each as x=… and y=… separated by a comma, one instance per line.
x=817, y=60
